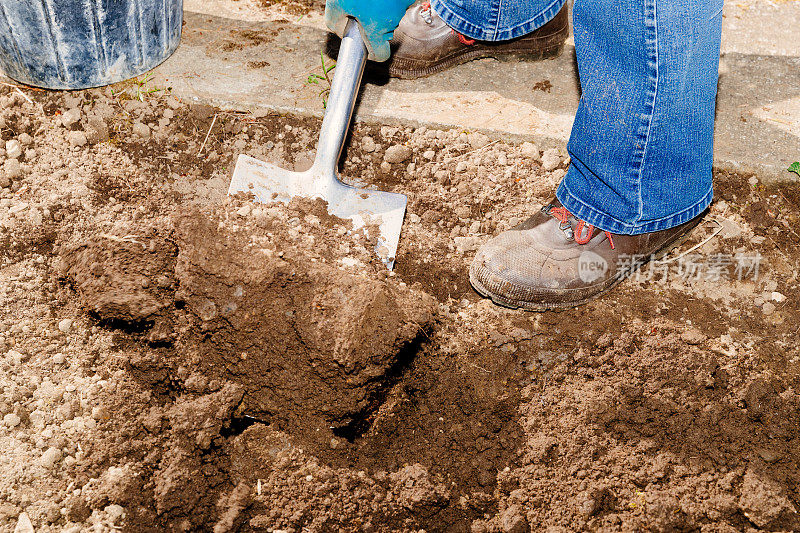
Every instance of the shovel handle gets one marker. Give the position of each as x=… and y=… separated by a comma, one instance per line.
x=342, y=98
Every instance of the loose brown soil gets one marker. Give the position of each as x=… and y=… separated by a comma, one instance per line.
x=174, y=359
x=296, y=7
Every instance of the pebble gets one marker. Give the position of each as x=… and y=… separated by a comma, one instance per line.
x=429, y=155
x=65, y=325
x=349, y=261
x=24, y=524
x=25, y=139
x=114, y=512
x=777, y=297
x=730, y=229
x=502, y=160
x=50, y=457
x=462, y=166
x=244, y=210
x=386, y=167
x=13, y=149
x=11, y=420
x=477, y=140
x=59, y=358
x=100, y=413
x=70, y=117
x=12, y=168
x=550, y=159
x=414, y=218
x=467, y=244
x=768, y=308
x=368, y=144
x=4, y=181
x=35, y=217
x=15, y=356
x=693, y=336
x=513, y=521
x=77, y=138
x=97, y=131
x=397, y=154
x=530, y=150
x=141, y=130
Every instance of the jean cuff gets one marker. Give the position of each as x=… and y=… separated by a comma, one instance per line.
x=473, y=31
x=606, y=222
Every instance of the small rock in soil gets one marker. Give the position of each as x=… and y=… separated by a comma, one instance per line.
x=114, y=512
x=368, y=144
x=764, y=503
x=512, y=521
x=478, y=140
x=550, y=159
x=11, y=420
x=97, y=131
x=397, y=154
x=530, y=150
x=50, y=457
x=469, y=243
x=141, y=130
x=12, y=168
x=65, y=325
x=25, y=139
x=13, y=149
x=24, y=524
x=70, y=117
x=693, y=336
x=77, y=138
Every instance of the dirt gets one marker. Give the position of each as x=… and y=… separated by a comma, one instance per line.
x=178, y=360
x=296, y=7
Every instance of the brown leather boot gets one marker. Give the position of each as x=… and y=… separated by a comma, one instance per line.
x=552, y=260
x=423, y=44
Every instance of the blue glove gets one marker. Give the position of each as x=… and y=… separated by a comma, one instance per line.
x=377, y=18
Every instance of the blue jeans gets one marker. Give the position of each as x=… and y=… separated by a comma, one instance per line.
x=642, y=142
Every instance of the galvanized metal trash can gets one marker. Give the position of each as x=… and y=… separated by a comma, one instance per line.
x=76, y=44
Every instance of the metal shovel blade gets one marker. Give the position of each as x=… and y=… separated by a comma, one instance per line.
x=365, y=207
x=384, y=210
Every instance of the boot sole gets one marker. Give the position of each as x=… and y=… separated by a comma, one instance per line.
x=411, y=70
x=606, y=287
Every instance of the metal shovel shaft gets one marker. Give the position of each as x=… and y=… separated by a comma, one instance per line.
x=342, y=99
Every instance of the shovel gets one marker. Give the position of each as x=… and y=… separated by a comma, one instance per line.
x=378, y=211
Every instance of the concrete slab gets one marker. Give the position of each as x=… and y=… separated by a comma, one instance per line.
x=241, y=55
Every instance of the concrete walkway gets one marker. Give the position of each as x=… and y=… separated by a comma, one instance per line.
x=241, y=55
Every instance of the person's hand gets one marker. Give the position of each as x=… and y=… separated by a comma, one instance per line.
x=377, y=18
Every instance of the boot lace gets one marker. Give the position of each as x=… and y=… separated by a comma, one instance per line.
x=582, y=232
x=425, y=12
x=427, y=16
